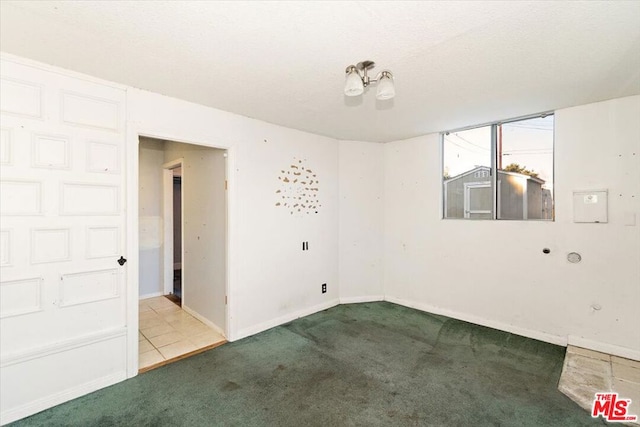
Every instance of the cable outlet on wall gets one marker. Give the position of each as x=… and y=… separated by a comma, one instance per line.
x=324, y=288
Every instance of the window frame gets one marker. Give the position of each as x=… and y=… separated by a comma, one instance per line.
x=493, y=175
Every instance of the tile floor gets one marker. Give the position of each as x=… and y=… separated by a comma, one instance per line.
x=166, y=332
x=586, y=372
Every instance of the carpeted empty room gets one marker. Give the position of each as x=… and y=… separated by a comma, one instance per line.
x=319, y=213
x=371, y=364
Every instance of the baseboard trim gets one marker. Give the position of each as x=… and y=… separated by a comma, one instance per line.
x=204, y=320
x=67, y=345
x=615, y=350
x=39, y=405
x=261, y=327
x=151, y=295
x=529, y=333
x=358, y=300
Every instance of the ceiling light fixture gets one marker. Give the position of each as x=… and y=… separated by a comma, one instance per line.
x=357, y=79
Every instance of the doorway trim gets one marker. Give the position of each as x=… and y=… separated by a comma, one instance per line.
x=167, y=215
x=134, y=133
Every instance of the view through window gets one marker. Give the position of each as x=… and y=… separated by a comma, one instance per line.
x=500, y=171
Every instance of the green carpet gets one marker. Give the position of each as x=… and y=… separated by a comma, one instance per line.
x=374, y=364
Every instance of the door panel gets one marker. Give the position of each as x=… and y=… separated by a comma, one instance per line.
x=63, y=227
x=478, y=200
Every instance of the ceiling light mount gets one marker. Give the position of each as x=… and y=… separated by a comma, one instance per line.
x=357, y=78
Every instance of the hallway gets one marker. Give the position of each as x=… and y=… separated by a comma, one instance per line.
x=167, y=333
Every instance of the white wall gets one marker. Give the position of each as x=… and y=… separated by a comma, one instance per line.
x=361, y=221
x=271, y=280
x=150, y=214
x=494, y=272
x=204, y=233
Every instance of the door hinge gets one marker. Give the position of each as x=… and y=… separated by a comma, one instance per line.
x=225, y=184
x=225, y=300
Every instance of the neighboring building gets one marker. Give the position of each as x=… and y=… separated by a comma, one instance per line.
x=520, y=196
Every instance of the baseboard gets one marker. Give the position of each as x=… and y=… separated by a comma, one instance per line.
x=529, y=333
x=204, y=320
x=357, y=300
x=627, y=353
x=152, y=295
x=261, y=327
x=39, y=405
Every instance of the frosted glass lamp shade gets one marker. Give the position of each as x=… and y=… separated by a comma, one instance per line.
x=353, y=85
x=386, y=88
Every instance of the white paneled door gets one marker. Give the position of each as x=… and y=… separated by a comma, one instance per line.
x=62, y=292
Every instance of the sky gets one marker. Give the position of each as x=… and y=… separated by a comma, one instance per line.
x=527, y=142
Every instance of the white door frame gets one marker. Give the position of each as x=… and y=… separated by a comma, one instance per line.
x=167, y=221
x=134, y=133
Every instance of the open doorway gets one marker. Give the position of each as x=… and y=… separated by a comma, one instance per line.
x=172, y=229
x=172, y=195
x=177, y=235
x=182, y=234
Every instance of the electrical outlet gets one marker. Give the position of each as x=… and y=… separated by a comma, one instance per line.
x=324, y=288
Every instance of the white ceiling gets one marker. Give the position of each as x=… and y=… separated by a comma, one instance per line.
x=455, y=63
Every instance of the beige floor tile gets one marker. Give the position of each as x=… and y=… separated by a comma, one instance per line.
x=177, y=349
x=143, y=308
x=166, y=339
x=177, y=316
x=588, y=353
x=584, y=375
x=205, y=339
x=627, y=373
x=623, y=361
x=584, y=363
x=148, y=315
x=154, y=331
x=192, y=329
x=163, y=331
x=159, y=303
x=149, y=358
x=627, y=390
x=150, y=323
x=144, y=346
x=166, y=311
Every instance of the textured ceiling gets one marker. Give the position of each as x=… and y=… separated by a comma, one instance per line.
x=455, y=63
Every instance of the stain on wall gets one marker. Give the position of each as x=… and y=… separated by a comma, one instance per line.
x=299, y=189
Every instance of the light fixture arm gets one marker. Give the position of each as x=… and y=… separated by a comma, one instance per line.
x=361, y=71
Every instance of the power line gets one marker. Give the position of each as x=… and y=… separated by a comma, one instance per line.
x=469, y=142
x=463, y=147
